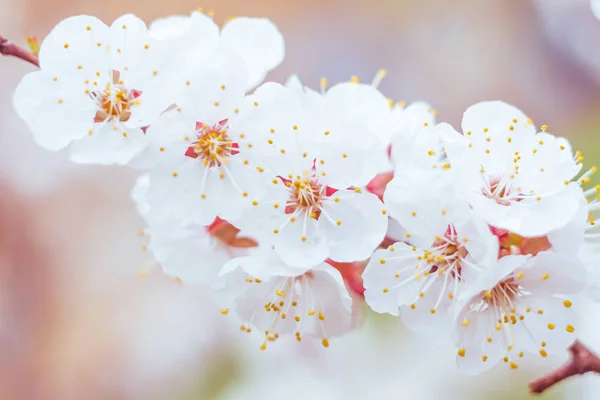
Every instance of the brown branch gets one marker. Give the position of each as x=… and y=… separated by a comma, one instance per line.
x=582, y=361
x=8, y=48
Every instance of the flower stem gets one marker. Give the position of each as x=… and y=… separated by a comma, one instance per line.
x=582, y=361
x=8, y=48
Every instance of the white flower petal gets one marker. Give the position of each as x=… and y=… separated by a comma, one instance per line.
x=530, y=217
x=348, y=161
x=133, y=50
x=209, y=90
x=482, y=245
x=144, y=64
x=481, y=346
x=405, y=122
x=279, y=129
x=166, y=141
x=314, y=304
x=418, y=200
x=177, y=193
x=569, y=239
x=138, y=194
x=242, y=182
x=264, y=263
x=187, y=252
x=202, y=36
x=455, y=144
x=549, y=325
x=127, y=31
x=550, y=273
x=110, y=144
x=57, y=112
x=301, y=243
x=431, y=313
x=356, y=101
x=73, y=44
x=496, y=117
x=390, y=278
x=354, y=226
x=546, y=162
x=172, y=26
x=423, y=150
x=268, y=214
x=258, y=42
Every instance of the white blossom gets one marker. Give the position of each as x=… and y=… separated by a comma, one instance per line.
x=449, y=246
x=97, y=87
x=414, y=141
x=279, y=302
x=316, y=153
x=191, y=252
x=257, y=41
x=513, y=177
x=518, y=309
x=199, y=151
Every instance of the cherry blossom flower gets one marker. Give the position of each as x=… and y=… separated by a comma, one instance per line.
x=516, y=309
x=450, y=246
x=191, y=252
x=97, y=88
x=414, y=142
x=513, y=177
x=203, y=156
x=203, y=150
x=315, y=150
x=386, y=123
x=271, y=298
x=257, y=41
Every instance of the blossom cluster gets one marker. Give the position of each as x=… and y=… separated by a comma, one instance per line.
x=268, y=194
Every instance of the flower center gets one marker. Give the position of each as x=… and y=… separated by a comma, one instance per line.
x=115, y=101
x=500, y=190
x=500, y=298
x=212, y=144
x=306, y=196
x=291, y=305
x=502, y=294
x=444, y=260
x=447, y=254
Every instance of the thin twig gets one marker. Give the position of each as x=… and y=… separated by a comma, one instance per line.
x=582, y=361
x=8, y=48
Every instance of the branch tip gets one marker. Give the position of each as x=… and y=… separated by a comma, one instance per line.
x=8, y=48
x=582, y=361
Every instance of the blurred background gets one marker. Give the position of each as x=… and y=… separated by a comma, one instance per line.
x=79, y=319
